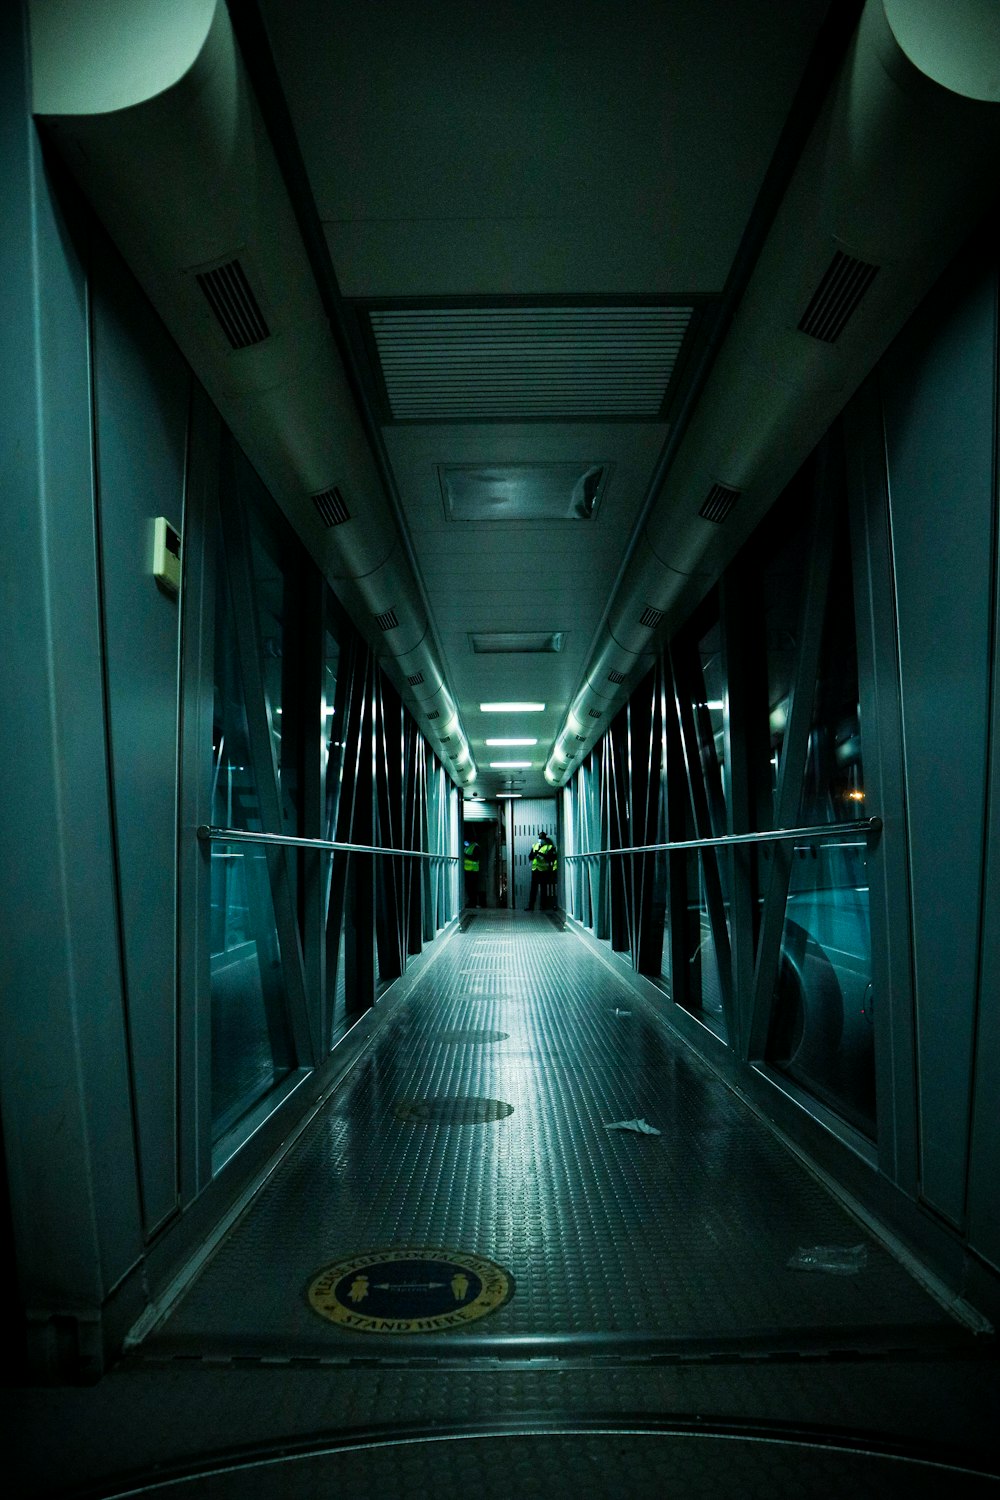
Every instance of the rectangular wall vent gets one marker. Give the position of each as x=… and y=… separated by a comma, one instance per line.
x=595, y=713
x=837, y=297
x=331, y=507
x=415, y=679
x=651, y=617
x=446, y=739
x=719, y=502
x=616, y=677
x=230, y=296
x=435, y=715
x=386, y=620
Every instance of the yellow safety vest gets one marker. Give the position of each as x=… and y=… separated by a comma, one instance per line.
x=543, y=856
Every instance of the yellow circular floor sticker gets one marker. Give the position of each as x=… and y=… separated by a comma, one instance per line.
x=409, y=1291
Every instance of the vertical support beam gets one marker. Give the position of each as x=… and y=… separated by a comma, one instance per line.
x=619, y=830
x=744, y=694
x=387, y=774
x=313, y=869
x=885, y=787
x=794, y=747
x=675, y=777
x=64, y=1072
x=194, y=894
x=685, y=688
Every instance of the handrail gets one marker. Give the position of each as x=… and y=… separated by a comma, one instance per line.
x=208, y=834
x=727, y=841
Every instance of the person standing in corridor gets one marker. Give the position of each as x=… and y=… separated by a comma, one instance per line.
x=471, y=868
x=544, y=863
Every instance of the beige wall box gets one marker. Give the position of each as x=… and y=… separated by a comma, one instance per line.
x=166, y=555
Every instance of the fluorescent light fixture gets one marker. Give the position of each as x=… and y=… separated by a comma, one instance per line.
x=512, y=742
x=717, y=703
x=509, y=794
x=512, y=708
x=508, y=765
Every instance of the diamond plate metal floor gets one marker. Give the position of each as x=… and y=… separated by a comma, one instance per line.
x=617, y=1242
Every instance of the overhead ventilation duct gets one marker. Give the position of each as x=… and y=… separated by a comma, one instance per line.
x=152, y=110
x=899, y=168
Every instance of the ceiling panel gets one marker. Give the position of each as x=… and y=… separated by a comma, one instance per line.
x=566, y=145
x=564, y=150
x=519, y=575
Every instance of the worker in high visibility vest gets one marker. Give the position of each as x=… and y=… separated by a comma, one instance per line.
x=544, y=863
x=471, y=867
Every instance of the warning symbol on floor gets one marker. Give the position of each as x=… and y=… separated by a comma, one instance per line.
x=409, y=1291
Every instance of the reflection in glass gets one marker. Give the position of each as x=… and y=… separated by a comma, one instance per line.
x=702, y=680
x=709, y=721
x=251, y=1045
x=338, y=1024
x=704, y=985
x=782, y=578
x=823, y=1032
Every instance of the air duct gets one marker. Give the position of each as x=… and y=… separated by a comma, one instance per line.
x=898, y=170
x=151, y=108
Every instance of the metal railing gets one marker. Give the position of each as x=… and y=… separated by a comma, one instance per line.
x=208, y=834
x=871, y=826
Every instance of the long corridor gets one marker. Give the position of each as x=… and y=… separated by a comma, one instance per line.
x=478, y=1122
x=469, y=1161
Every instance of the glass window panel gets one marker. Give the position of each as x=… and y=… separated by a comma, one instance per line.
x=704, y=985
x=782, y=575
x=823, y=1033
x=332, y=748
x=274, y=603
x=338, y=1020
x=251, y=1043
x=709, y=721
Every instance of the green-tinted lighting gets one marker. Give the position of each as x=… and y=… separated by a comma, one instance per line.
x=512, y=708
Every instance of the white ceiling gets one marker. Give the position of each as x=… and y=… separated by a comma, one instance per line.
x=562, y=149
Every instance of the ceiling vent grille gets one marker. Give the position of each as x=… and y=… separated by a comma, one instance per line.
x=230, y=296
x=387, y=620
x=651, y=617
x=595, y=713
x=446, y=739
x=616, y=677
x=837, y=297
x=581, y=738
x=523, y=362
x=415, y=679
x=719, y=502
x=435, y=715
x=331, y=507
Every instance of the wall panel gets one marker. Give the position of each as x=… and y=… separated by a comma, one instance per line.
x=142, y=391
x=939, y=400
